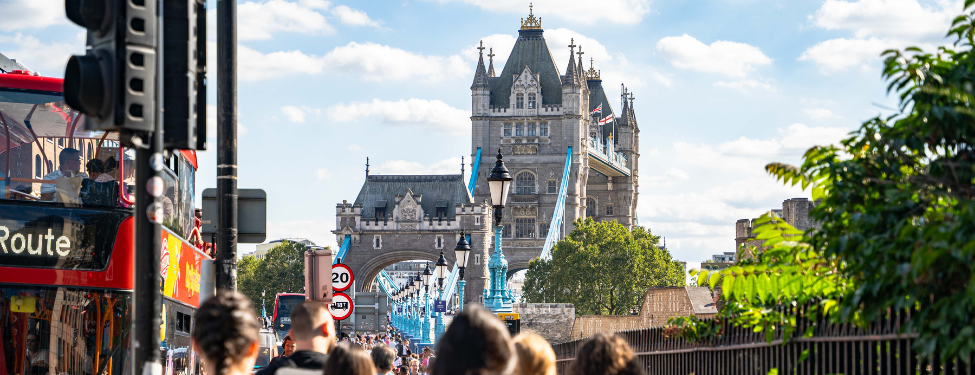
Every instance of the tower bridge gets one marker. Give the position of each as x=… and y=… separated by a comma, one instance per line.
x=571, y=153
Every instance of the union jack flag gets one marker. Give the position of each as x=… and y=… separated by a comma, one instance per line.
x=598, y=109
x=606, y=120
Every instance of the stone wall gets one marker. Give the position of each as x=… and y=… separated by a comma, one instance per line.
x=552, y=321
x=659, y=305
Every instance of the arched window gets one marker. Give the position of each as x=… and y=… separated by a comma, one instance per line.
x=50, y=166
x=37, y=166
x=531, y=101
x=91, y=155
x=590, y=207
x=525, y=183
x=519, y=100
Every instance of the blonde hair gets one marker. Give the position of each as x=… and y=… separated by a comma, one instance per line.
x=535, y=355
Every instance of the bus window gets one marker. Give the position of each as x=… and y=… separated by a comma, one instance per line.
x=39, y=132
x=57, y=330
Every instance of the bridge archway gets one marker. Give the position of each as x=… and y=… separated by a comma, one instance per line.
x=371, y=267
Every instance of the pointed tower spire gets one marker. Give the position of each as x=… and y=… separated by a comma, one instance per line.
x=571, y=74
x=491, y=60
x=480, y=75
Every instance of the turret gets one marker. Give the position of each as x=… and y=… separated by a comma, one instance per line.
x=480, y=89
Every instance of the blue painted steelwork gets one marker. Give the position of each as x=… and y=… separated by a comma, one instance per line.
x=346, y=244
x=477, y=164
x=557, y=217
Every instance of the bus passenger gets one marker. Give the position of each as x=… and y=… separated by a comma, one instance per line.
x=69, y=166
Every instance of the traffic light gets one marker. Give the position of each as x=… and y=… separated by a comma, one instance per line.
x=113, y=83
x=184, y=72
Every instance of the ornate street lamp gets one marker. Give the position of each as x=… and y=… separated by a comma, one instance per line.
x=499, y=299
x=425, y=326
x=441, y=270
x=461, y=251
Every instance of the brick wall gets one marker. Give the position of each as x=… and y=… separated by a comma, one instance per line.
x=659, y=305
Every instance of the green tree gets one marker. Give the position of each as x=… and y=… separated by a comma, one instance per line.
x=603, y=268
x=897, y=207
x=282, y=270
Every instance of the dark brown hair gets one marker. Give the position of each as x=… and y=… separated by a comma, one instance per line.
x=348, y=359
x=226, y=327
x=477, y=342
x=606, y=354
x=383, y=357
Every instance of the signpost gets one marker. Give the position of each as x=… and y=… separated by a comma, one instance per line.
x=341, y=306
x=341, y=277
x=512, y=321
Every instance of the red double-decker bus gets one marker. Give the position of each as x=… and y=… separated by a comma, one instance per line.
x=66, y=241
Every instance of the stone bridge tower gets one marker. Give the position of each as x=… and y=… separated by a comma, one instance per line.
x=533, y=113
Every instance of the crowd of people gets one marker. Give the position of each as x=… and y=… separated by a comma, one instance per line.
x=476, y=343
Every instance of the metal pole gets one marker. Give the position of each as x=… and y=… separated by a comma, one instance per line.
x=227, y=144
x=147, y=304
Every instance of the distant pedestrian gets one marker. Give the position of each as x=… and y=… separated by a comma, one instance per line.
x=535, y=355
x=226, y=334
x=477, y=342
x=606, y=354
x=348, y=359
x=314, y=334
x=383, y=357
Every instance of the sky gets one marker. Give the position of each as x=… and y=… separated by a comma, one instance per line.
x=722, y=88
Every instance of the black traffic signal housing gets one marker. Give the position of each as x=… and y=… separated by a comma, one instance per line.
x=113, y=83
x=184, y=74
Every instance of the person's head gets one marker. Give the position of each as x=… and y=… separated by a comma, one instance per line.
x=414, y=365
x=289, y=345
x=476, y=342
x=32, y=342
x=605, y=354
x=95, y=166
x=69, y=160
x=312, y=327
x=404, y=370
x=383, y=358
x=198, y=213
x=226, y=333
x=347, y=359
x=535, y=355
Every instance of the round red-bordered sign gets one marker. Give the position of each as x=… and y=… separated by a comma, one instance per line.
x=341, y=306
x=341, y=277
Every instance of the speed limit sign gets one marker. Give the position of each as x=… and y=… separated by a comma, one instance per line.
x=341, y=277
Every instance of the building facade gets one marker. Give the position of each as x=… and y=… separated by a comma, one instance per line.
x=533, y=112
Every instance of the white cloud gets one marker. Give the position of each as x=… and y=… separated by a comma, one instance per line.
x=370, y=61
x=48, y=59
x=263, y=19
x=732, y=59
x=298, y=114
x=746, y=85
x=257, y=66
x=668, y=179
x=578, y=11
x=877, y=25
x=447, y=166
x=31, y=14
x=836, y=55
x=433, y=114
x=376, y=62
x=354, y=17
x=901, y=19
x=354, y=148
x=819, y=113
x=323, y=174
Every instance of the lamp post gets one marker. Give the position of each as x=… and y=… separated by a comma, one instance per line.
x=461, y=251
x=425, y=338
x=441, y=272
x=499, y=182
x=417, y=322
